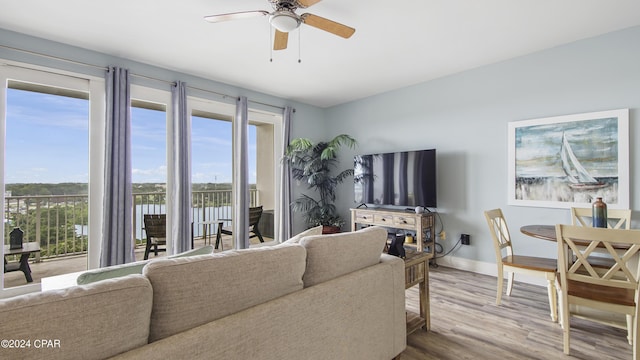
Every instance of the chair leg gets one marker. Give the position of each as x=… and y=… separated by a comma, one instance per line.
x=147, y=248
x=551, y=289
x=510, y=283
x=219, y=236
x=257, y=232
x=500, y=284
x=565, y=322
x=636, y=339
x=630, y=329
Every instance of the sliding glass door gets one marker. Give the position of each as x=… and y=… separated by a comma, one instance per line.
x=46, y=121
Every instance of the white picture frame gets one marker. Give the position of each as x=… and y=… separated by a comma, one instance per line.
x=568, y=161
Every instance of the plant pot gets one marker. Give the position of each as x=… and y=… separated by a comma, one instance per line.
x=327, y=229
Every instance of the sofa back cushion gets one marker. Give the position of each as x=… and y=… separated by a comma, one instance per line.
x=115, y=271
x=333, y=255
x=94, y=321
x=189, y=292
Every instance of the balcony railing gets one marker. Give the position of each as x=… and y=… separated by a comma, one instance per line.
x=60, y=223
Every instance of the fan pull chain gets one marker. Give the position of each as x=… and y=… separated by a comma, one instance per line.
x=270, y=46
x=299, y=42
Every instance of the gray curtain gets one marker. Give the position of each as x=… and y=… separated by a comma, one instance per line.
x=117, y=244
x=284, y=203
x=241, y=175
x=181, y=186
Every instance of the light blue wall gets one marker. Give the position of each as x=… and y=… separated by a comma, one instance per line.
x=465, y=118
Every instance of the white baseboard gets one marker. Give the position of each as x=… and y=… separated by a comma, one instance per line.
x=485, y=268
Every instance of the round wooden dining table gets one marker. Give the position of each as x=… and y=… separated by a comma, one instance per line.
x=548, y=232
x=544, y=232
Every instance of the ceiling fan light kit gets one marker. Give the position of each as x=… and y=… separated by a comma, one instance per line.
x=284, y=19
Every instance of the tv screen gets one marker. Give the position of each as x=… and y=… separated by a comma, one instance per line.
x=405, y=178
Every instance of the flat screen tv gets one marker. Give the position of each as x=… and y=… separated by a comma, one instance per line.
x=406, y=178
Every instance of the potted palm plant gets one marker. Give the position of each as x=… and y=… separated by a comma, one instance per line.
x=313, y=164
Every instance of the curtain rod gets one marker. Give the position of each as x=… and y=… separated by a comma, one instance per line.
x=132, y=74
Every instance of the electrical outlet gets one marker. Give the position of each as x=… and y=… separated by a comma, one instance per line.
x=464, y=239
x=443, y=235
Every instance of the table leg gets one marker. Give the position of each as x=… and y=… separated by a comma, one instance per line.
x=425, y=306
x=24, y=267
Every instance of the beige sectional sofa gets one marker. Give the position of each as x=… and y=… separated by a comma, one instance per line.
x=316, y=297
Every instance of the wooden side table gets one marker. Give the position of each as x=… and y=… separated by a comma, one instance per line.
x=416, y=270
x=23, y=265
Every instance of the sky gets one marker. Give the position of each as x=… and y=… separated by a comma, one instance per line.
x=47, y=141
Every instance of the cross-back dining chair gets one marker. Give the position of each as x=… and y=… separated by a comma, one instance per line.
x=255, y=213
x=581, y=284
x=507, y=261
x=616, y=218
x=155, y=228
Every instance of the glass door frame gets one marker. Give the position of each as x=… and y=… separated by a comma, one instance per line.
x=96, y=134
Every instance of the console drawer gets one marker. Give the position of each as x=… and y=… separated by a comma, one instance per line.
x=364, y=218
x=404, y=221
x=383, y=220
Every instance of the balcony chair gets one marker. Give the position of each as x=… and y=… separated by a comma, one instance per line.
x=155, y=228
x=614, y=290
x=255, y=213
x=527, y=265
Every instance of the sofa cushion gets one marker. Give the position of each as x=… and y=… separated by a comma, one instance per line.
x=313, y=231
x=94, y=321
x=189, y=292
x=115, y=271
x=333, y=255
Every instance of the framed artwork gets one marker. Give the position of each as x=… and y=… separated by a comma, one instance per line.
x=568, y=161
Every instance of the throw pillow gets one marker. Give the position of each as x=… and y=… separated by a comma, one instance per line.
x=111, y=272
x=313, y=231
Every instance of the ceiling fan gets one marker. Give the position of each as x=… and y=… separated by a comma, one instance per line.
x=284, y=19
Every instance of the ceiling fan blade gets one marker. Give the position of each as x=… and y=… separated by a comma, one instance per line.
x=280, y=41
x=328, y=25
x=307, y=3
x=235, y=16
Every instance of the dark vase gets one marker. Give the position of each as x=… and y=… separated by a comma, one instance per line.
x=599, y=213
x=15, y=238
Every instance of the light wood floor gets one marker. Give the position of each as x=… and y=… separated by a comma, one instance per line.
x=466, y=324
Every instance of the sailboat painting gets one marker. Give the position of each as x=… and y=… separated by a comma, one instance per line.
x=578, y=177
x=568, y=161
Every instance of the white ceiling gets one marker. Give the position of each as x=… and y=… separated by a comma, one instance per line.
x=396, y=44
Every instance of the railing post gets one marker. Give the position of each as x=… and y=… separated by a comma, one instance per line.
x=38, y=218
x=203, y=217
